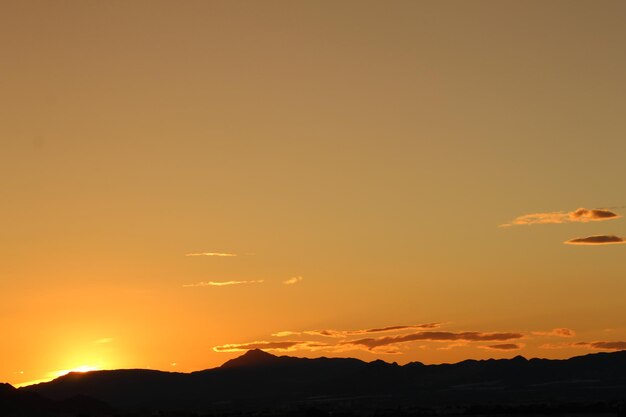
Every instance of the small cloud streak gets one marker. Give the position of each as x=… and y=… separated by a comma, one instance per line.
x=603, y=345
x=270, y=345
x=558, y=332
x=597, y=240
x=555, y=345
x=394, y=328
x=609, y=345
x=581, y=215
x=219, y=254
x=293, y=280
x=345, y=333
x=598, y=345
x=221, y=283
x=104, y=340
x=503, y=346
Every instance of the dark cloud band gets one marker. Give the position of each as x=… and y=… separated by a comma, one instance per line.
x=504, y=346
x=596, y=240
x=372, y=343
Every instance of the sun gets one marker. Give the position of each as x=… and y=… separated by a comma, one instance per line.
x=83, y=368
x=56, y=374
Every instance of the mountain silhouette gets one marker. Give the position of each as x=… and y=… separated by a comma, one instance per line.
x=252, y=358
x=259, y=379
x=24, y=403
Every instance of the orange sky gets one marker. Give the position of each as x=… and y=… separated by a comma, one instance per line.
x=369, y=164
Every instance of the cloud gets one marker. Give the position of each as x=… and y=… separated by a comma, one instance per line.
x=346, y=333
x=348, y=340
x=286, y=333
x=394, y=328
x=373, y=343
x=558, y=332
x=388, y=350
x=596, y=240
x=563, y=332
x=104, y=340
x=503, y=346
x=555, y=345
x=270, y=345
x=220, y=254
x=619, y=345
x=609, y=345
x=581, y=215
x=221, y=283
x=237, y=347
x=452, y=345
x=293, y=280
x=599, y=345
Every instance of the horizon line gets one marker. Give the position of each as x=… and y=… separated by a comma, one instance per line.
x=47, y=380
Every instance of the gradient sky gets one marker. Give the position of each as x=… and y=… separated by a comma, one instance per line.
x=368, y=151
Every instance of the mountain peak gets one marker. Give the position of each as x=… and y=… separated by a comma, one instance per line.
x=4, y=387
x=254, y=357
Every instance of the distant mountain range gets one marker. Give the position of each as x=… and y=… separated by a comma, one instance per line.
x=14, y=402
x=259, y=379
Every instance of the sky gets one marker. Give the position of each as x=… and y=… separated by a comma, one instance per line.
x=401, y=180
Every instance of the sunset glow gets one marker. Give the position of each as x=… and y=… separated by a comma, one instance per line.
x=83, y=368
x=409, y=181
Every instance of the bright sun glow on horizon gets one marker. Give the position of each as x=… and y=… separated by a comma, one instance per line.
x=57, y=374
x=83, y=368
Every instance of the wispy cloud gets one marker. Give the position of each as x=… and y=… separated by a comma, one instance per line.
x=401, y=327
x=222, y=283
x=104, y=340
x=597, y=240
x=503, y=346
x=345, y=333
x=373, y=343
x=618, y=345
x=558, y=332
x=598, y=345
x=394, y=343
x=404, y=338
x=220, y=254
x=555, y=345
x=581, y=215
x=293, y=280
x=271, y=345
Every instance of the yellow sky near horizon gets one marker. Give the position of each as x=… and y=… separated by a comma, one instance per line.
x=358, y=158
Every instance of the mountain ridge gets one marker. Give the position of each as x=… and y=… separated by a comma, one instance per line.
x=259, y=378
